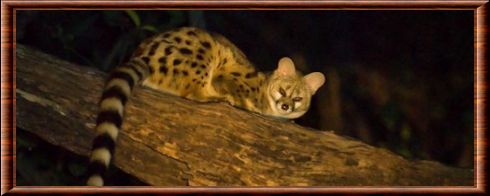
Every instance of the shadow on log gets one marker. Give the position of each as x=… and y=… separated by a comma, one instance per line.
x=167, y=140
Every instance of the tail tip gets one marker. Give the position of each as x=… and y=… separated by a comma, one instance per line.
x=95, y=180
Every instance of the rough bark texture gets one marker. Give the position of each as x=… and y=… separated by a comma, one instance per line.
x=167, y=140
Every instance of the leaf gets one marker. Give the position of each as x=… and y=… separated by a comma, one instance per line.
x=405, y=152
x=150, y=28
x=406, y=132
x=134, y=17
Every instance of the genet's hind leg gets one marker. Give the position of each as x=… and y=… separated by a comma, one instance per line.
x=200, y=96
x=227, y=88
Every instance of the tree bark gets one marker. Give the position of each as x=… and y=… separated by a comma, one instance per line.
x=168, y=140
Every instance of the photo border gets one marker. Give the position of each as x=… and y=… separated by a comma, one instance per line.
x=8, y=100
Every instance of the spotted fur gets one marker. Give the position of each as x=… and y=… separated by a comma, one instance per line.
x=200, y=66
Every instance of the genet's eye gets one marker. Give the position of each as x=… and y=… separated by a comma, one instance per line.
x=282, y=91
x=296, y=99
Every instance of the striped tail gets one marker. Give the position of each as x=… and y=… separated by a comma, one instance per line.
x=109, y=119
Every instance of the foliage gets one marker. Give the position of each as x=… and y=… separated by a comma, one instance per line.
x=98, y=39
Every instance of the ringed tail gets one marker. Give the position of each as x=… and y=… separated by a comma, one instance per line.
x=109, y=119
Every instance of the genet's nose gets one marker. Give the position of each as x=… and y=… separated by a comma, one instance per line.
x=285, y=107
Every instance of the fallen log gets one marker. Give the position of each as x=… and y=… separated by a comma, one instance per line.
x=169, y=141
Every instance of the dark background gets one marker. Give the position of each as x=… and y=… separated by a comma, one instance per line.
x=401, y=80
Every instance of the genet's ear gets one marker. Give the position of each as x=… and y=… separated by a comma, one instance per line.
x=314, y=81
x=286, y=67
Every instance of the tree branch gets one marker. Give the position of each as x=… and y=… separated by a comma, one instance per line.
x=167, y=140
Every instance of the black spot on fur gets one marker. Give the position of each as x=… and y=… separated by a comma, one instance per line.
x=236, y=74
x=185, y=73
x=200, y=57
x=201, y=51
x=176, y=71
x=177, y=62
x=203, y=66
x=251, y=75
x=166, y=35
x=162, y=60
x=187, y=86
x=191, y=33
x=206, y=44
x=153, y=48
x=163, y=69
x=139, y=51
x=178, y=39
x=168, y=50
x=198, y=72
x=145, y=59
x=194, y=64
x=188, y=42
x=151, y=70
x=185, y=51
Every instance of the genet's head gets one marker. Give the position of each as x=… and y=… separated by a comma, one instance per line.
x=289, y=93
